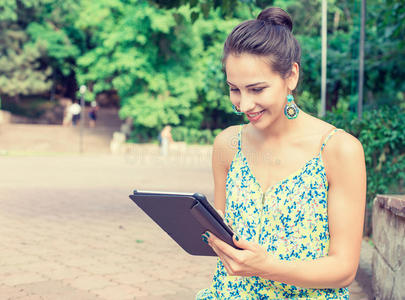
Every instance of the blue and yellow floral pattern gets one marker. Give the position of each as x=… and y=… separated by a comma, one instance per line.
x=290, y=219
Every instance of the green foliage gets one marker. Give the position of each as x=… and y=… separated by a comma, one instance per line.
x=202, y=8
x=163, y=58
x=308, y=103
x=21, y=70
x=143, y=62
x=35, y=44
x=192, y=135
x=8, y=10
x=59, y=48
x=165, y=67
x=384, y=65
x=381, y=133
x=30, y=107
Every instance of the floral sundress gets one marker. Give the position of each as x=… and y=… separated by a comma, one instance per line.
x=290, y=219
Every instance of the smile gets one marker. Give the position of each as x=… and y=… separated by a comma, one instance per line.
x=255, y=114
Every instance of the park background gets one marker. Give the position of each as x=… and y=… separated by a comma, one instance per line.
x=154, y=63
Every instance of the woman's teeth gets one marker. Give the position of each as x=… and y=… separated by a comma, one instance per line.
x=255, y=114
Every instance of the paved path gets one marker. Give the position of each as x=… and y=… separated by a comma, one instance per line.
x=57, y=138
x=69, y=231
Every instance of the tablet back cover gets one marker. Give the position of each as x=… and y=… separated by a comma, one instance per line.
x=173, y=214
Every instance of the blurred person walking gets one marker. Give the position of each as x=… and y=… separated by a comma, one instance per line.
x=165, y=139
x=93, y=114
x=67, y=116
x=75, y=111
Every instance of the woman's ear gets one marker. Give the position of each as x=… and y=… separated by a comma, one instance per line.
x=292, y=80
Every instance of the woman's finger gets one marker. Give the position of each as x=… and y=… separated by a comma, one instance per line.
x=224, y=259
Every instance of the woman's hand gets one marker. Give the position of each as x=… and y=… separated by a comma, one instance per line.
x=252, y=260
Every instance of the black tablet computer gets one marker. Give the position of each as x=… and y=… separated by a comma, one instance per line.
x=184, y=217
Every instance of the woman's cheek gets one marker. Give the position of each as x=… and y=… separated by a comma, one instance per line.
x=271, y=101
x=234, y=98
x=266, y=101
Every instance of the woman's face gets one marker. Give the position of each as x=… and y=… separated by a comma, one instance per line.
x=254, y=88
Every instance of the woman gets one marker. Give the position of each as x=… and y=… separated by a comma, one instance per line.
x=292, y=186
x=166, y=138
x=93, y=114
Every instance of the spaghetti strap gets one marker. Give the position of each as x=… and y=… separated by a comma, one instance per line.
x=283, y=214
x=240, y=137
x=328, y=137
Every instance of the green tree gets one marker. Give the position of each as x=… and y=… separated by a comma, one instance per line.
x=21, y=70
x=163, y=58
x=36, y=46
x=165, y=66
x=385, y=52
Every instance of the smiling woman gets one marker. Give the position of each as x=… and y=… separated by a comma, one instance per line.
x=298, y=221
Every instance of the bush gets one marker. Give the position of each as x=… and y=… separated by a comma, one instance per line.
x=381, y=132
x=193, y=136
x=141, y=135
x=30, y=107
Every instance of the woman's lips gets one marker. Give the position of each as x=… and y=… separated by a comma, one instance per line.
x=255, y=116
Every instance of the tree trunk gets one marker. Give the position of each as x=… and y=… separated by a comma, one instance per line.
x=333, y=98
x=71, y=86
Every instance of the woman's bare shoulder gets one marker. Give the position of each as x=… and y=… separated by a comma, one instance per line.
x=226, y=144
x=343, y=145
x=343, y=152
x=340, y=144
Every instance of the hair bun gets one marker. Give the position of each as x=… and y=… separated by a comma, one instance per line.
x=276, y=16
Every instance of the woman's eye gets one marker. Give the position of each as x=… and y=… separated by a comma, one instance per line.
x=257, y=90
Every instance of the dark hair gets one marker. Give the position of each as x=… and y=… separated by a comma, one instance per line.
x=270, y=36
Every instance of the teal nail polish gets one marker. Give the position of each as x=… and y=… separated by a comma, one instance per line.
x=236, y=237
x=204, y=239
x=207, y=233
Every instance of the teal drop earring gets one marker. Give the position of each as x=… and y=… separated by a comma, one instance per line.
x=291, y=109
x=236, y=111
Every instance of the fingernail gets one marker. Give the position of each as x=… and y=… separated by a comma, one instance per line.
x=236, y=237
x=207, y=234
x=204, y=239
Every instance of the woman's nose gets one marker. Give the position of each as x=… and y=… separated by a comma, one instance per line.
x=246, y=103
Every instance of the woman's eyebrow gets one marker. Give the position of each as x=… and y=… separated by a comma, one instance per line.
x=249, y=85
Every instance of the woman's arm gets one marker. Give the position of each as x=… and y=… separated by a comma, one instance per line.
x=345, y=166
x=222, y=151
